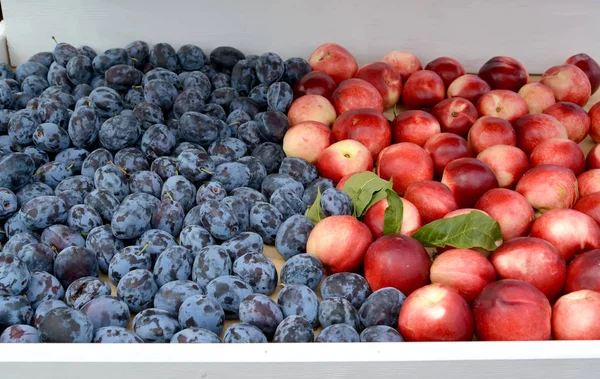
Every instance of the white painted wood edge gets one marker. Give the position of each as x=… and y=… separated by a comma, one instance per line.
x=295, y=353
x=3, y=46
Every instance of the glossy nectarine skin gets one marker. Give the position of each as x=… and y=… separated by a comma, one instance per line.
x=414, y=126
x=489, y=131
x=423, y=90
x=537, y=96
x=465, y=270
x=508, y=163
x=589, y=182
x=502, y=103
x=366, y=126
x=589, y=66
x=405, y=163
x=583, y=273
x=468, y=86
x=433, y=199
x=456, y=115
x=512, y=310
x=590, y=205
x=334, y=60
x=447, y=68
x=340, y=243
x=356, y=94
x=446, y=147
x=574, y=118
x=511, y=209
x=435, y=313
x=375, y=216
x=343, y=158
x=307, y=140
x=592, y=160
x=504, y=72
x=468, y=179
x=398, y=261
x=549, y=187
x=385, y=78
x=560, y=152
x=568, y=83
x=532, y=260
x=406, y=63
x=311, y=108
x=570, y=231
x=575, y=316
x=534, y=129
x=594, y=114
x=315, y=83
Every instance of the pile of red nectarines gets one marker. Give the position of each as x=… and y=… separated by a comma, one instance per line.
x=495, y=143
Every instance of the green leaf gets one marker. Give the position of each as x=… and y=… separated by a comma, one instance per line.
x=392, y=217
x=361, y=188
x=314, y=213
x=465, y=231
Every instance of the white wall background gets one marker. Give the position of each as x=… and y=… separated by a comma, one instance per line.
x=539, y=33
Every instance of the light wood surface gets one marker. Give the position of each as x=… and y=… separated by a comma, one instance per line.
x=539, y=33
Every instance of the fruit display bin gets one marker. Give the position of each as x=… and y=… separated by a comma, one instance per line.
x=539, y=33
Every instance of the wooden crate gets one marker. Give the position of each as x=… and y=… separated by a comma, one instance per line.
x=538, y=33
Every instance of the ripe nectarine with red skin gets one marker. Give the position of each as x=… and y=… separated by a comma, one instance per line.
x=423, y=90
x=574, y=118
x=590, y=205
x=465, y=270
x=366, y=126
x=432, y=199
x=489, y=131
x=375, y=216
x=406, y=63
x=592, y=160
x=594, y=114
x=356, y=94
x=502, y=103
x=447, y=68
x=511, y=209
x=560, y=152
x=456, y=115
x=549, y=187
x=340, y=243
x=470, y=87
x=504, y=72
x=399, y=261
x=468, y=179
x=575, y=316
x=414, y=126
x=405, y=163
x=343, y=158
x=534, y=129
x=532, y=260
x=508, y=163
x=385, y=78
x=537, y=96
x=583, y=273
x=512, y=310
x=589, y=182
x=571, y=231
x=435, y=313
x=589, y=66
x=569, y=83
x=307, y=140
x=315, y=83
x=334, y=60
x=446, y=147
x=311, y=108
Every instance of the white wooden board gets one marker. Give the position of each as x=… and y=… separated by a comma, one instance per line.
x=539, y=33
